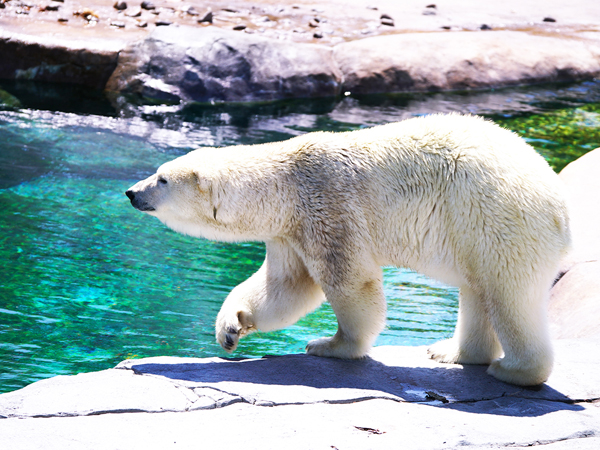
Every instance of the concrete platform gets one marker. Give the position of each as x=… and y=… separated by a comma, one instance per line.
x=397, y=398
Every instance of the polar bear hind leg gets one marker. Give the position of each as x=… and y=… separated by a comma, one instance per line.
x=522, y=329
x=474, y=341
x=508, y=316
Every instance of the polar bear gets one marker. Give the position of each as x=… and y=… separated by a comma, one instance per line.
x=455, y=197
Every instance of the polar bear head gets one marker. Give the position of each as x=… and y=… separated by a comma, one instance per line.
x=225, y=194
x=181, y=195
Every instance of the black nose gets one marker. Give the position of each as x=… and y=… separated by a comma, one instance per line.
x=130, y=194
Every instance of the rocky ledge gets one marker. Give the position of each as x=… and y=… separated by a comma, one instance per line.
x=396, y=397
x=259, y=51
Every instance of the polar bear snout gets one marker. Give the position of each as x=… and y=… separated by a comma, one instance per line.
x=140, y=199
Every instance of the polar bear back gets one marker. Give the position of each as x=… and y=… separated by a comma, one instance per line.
x=438, y=192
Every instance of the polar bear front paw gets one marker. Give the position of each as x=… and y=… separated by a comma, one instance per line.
x=230, y=328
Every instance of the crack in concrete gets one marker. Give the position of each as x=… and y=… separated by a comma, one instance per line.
x=229, y=398
x=580, y=435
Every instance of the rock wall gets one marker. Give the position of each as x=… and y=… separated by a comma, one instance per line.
x=180, y=64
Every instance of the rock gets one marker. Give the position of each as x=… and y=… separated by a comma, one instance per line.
x=457, y=61
x=301, y=401
x=120, y=6
x=549, y=19
x=163, y=23
x=87, y=62
x=208, y=17
x=135, y=12
x=239, y=27
x=574, y=306
x=117, y=24
x=485, y=27
x=211, y=64
x=385, y=19
x=191, y=11
x=147, y=5
x=583, y=189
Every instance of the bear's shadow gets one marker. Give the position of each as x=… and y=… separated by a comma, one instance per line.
x=466, y=388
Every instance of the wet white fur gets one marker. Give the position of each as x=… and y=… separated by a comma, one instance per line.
x=454, y=197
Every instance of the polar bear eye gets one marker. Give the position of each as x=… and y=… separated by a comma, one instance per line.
x=161, y=180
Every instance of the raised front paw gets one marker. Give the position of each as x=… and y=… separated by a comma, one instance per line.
x=231, y=327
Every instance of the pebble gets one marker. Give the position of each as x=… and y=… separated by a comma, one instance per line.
x=549, y=19
x=163, y=23
x=485, y=27
x=136, y=12
x=386, y=20
x=318, y=35
x=117, y=24
x=148, y=6
x=120, y=6
x=208, y=17
x=429, y=12
x=239, y=27
x=191, y=11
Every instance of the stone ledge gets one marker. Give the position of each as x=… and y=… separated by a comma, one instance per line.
x=399, y=374
x=308, y=402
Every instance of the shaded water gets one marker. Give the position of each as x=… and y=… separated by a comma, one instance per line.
x=87, y=281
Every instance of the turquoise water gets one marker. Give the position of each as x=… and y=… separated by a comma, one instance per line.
x=87, y=281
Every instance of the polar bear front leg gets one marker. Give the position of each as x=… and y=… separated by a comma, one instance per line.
x=360, y=308
x=280, y=293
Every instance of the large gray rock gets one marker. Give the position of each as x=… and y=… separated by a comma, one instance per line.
x=215, y=65
x=463, y=60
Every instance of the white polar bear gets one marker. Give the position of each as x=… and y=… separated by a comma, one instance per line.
x=454, y=197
